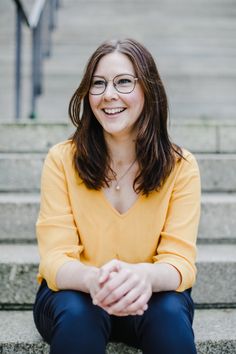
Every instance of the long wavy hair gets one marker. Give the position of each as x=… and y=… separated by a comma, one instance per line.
x=155, y=154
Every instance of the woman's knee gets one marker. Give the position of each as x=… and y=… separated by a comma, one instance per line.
x=171, y=305
x=66, y=311
x=76, y=317
x=167, y=324
x=71, y=304
x=76, y=308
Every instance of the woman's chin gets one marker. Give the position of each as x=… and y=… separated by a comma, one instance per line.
x=116, y=131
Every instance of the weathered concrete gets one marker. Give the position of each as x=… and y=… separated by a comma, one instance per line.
x=22, y=172
x=217, y=172
x=214, y=332
x=18, y=214
x=216, y=278
x=218, y=220
x=193, y=43
x=215, y=283
x=198, y=37
x=199, y=136
x=32, y=137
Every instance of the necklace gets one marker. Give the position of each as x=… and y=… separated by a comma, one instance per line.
x=117, y=186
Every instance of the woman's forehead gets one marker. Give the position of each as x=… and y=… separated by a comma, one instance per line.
x=113, y=64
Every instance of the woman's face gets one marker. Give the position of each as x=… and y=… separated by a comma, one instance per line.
x=116, y=112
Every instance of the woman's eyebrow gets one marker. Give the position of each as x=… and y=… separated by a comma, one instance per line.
x=103, y=77
x=124, y=73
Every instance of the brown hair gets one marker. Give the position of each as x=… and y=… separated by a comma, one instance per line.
x=156, y=155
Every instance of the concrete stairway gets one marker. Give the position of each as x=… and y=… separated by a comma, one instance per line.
x=215, y=291
x=194, y=43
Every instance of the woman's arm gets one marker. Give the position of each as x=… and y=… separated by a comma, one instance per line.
x=57, y=234
x=162, y=276
x=77, y=276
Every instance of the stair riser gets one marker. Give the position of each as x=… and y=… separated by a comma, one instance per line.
x=17, y=220
x=197, y=137
x=214, y=283
x=22, y=173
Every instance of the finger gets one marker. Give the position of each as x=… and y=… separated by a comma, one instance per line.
x=111, y=287
x=120, y=314
x=112, y=266
x=121, y=291
x=124, y=312
x=138, y=306
x=132, y=302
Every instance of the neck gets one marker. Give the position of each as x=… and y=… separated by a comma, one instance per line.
x=122, y=150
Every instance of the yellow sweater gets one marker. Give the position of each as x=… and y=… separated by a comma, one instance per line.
x=76, y=223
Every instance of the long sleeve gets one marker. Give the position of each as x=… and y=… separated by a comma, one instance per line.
x=57, y=235
x=177, y=243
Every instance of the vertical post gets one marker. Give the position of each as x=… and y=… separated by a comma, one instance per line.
x=36, y=88
x=18, y=37
x=52, y=10
x=58, y=3
x=46, y=37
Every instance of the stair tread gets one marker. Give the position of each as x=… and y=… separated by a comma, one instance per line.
x=209, y=325
x=25, y=253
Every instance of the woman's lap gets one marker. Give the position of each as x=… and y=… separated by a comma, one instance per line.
x=70, y=322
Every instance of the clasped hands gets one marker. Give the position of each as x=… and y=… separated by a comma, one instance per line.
x=121, y=288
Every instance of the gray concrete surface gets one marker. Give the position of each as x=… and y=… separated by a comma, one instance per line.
x=194, y=45
x=18, y=214
x=215, y=281
x=214, y=331
x=29, y=167
x=199, y=136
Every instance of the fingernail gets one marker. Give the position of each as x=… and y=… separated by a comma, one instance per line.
x=95, y=302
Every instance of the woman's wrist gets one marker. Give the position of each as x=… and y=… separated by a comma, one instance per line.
x=90, y=276
x=160, y=276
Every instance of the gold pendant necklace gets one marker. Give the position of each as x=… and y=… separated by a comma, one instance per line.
x=117, y=186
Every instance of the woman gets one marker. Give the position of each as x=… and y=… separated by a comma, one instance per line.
x=119, y=216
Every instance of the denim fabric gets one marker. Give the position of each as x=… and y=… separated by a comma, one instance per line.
x=70, y=323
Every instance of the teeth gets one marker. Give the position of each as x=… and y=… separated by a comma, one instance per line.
x=113, y=110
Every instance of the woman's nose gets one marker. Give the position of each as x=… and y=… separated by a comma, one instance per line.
x=110, y=92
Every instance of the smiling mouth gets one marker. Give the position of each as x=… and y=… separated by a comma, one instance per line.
x=113, y=111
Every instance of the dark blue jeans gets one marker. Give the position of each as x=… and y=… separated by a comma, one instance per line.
x=71, y=324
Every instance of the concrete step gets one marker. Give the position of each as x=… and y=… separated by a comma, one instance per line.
x=217, y=224
x=18, y=214
x=173, y=65
x=200, y=135
x=56, y=105
x=215, y=287
x=214, y=334
x=20, y=339
x=196, y=37
x=29, y=167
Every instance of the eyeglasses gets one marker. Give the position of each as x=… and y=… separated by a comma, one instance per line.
x=124, y=83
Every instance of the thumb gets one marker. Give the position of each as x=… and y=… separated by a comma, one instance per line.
x=107, y=269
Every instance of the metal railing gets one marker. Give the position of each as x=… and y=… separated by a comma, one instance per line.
x=41, y=22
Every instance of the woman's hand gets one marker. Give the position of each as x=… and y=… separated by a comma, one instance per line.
x=122, y=289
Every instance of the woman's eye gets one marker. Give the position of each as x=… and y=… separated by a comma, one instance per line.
x=123, y=81
x=98, y=83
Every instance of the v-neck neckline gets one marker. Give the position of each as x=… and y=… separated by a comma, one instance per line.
x=115, y=211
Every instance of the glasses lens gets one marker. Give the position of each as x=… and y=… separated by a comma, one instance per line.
x=124, y=83
x=98, y=86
